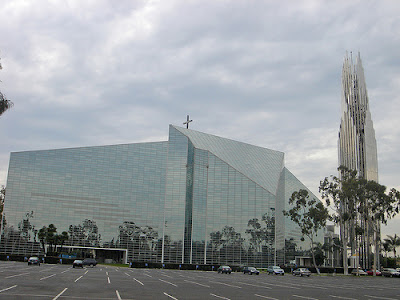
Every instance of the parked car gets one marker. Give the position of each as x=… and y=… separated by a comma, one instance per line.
x=275, y=270
x=302, y=272
x=224, y=269
x=33, y=261
x=371, y=273
x=250, y=271
x=89, y=262
x=77, y=263
x=390, y=272
x=358, y=272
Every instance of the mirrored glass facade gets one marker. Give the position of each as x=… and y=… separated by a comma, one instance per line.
x=194, y=199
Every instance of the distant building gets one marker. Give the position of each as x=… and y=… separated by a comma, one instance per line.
x=194, y=199
x=357, y=146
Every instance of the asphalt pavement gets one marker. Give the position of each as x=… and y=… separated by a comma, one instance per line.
x=20, y=281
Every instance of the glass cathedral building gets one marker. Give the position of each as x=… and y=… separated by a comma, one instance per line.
x=194, y=199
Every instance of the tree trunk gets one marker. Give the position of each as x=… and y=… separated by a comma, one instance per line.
x=313, y=256
x=376, y=252
x=344, y=254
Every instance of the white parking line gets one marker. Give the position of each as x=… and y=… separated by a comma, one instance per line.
x=127, y=274
x=16, y=275
x=376, y=297
x=219, y=297
x=118, y=296
x=239, y=287
x=108, y=278
x=148, y=275
x=265, y=297
x=305, y=297
x=86, y=272
x=170, y=296
x=78, y=278
x=47, y=277
x=168, y=282
x=66, y=271
x=261, y=286
x=60, y=294
x=166, y=275
x=333, y=296
x=9, y=288
x=138, y=281
x=197, y=283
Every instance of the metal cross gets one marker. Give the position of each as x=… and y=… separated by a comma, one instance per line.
x=187, y=122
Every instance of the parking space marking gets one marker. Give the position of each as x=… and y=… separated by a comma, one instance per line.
x=9, y=288
x=333, y=296
x=47, y=277
x=138, y=281
x=16, y=275
x=197, y=283
x=298, y=296
x=261, y=286
x=166, y=275
x=78, y=278
x=238, y=287
x=172, y=297
x=127, y=274
x=265, y=297
x=108, y=278
x=65, y=271
x=148, y=275
x=56, y=297
x=86, y=272
x=375, y=297
x=220, y=297
x=168, y=282
x=118, y=295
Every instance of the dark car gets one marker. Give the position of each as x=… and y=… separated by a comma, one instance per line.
x=302, y=272
x=250, y=271
x=224, y=269
x=89, y=262
x=77, y=263
x=34, y=261
x=390, y=272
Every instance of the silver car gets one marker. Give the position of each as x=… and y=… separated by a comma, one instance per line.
x=302, y=272
x=275, y=270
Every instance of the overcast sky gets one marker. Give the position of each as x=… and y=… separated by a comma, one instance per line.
x=268, y=73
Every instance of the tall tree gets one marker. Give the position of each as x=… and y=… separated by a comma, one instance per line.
x=376, y=209
x=4, y=102
x=356, y=200
x=309, y=214
x=340, y=194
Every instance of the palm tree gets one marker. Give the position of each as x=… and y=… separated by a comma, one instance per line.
x=4, y=102
x=393, y=242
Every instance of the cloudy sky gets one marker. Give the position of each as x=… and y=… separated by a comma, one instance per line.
x=268, y=73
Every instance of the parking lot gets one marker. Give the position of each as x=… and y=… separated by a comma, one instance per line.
x=20, y=281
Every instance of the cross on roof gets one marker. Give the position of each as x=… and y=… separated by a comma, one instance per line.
x=187, y=122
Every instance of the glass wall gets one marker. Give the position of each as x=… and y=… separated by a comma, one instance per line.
x=196, y=199
x=108, y=196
